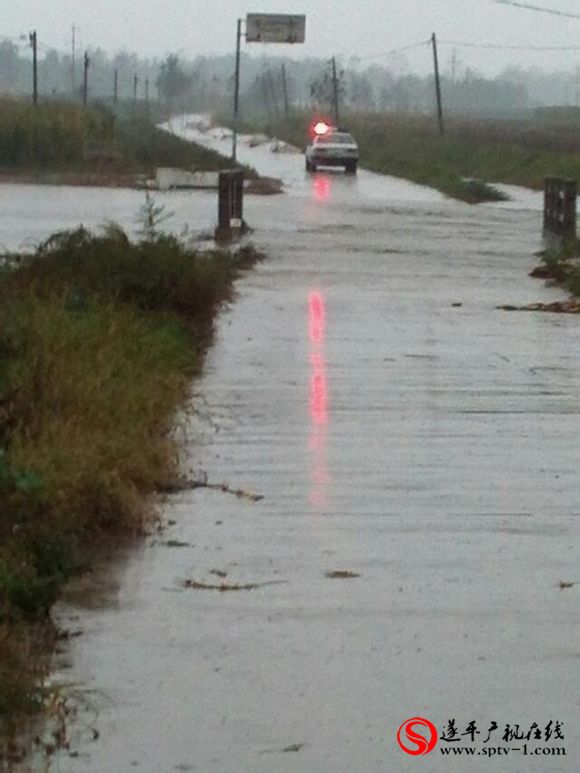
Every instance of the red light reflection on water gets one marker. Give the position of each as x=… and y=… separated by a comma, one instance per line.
x=318, y=399
x=318, y=391
x=317, y=317
x=321, y=187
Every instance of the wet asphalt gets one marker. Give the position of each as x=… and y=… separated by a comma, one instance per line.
x=417, y=453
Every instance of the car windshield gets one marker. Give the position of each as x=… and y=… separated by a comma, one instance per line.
x=336, y=138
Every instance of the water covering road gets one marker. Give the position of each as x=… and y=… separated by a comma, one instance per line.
x=429, y=449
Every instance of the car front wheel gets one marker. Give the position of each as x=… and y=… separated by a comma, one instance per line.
x=350, y=167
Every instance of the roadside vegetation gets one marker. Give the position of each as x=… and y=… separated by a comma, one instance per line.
x=63, y=142
x=466, y=161
x=562, y=265
x=100, y=338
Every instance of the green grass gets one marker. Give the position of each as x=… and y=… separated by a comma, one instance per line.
x=49, y=136
x=100, y=339
x=67, y=138
x=149, y=147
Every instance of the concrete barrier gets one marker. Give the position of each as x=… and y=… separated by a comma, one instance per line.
x=168, y=178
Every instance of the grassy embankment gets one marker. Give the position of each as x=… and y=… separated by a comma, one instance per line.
x=99, y=341
x=408, y=146
x=65, y=143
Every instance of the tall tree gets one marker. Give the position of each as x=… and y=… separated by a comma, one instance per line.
x=172, y=81
x=9, y=65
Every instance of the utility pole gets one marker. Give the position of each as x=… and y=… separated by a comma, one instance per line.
x=454, y=65
x=147, y=92
x=135, y=87
x=116, y=87
x=266, y=96
x=86, y=64
x=272, y=86
x=335, y=91
x=437, y=86
x=237, y=92
x=285, y=92
x=73, y=61
x=34, y=43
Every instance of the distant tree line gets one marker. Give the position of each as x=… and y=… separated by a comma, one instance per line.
x=206, y=82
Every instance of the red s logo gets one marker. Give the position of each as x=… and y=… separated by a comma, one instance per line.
x=420, y=741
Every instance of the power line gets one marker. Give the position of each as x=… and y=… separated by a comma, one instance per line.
x=539, y=8
x=395, y=50
x=507, y=47
x=469, y=44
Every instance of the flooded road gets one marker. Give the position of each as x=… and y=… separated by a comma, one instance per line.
x=418, y=461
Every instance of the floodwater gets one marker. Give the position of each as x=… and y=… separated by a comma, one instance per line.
x=32, y=213
x=425, y=451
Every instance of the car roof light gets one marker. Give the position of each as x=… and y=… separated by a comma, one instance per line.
x=321, y=128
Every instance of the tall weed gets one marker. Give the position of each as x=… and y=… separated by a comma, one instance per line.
x=99, y=340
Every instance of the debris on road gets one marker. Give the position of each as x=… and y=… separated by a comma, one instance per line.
x=341, y=574
x=564, y=585
x=295, y=747
x=186, y=484
x=571, y=306
x=224, y=587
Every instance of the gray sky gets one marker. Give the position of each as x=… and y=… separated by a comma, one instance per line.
x=350, y=27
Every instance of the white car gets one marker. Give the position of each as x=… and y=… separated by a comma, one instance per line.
x=332, y=148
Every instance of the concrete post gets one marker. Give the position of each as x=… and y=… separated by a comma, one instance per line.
x=230, y=205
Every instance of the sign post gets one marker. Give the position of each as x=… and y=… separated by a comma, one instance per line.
x=263, y=28
x=237, y=93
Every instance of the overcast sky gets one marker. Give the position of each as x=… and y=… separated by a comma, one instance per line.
x=350, y=27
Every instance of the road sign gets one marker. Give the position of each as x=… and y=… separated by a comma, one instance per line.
x=275, y=28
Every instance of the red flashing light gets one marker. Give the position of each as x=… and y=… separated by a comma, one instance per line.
x=321, y=128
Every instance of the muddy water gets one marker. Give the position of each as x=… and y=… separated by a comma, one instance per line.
x=430, y=449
